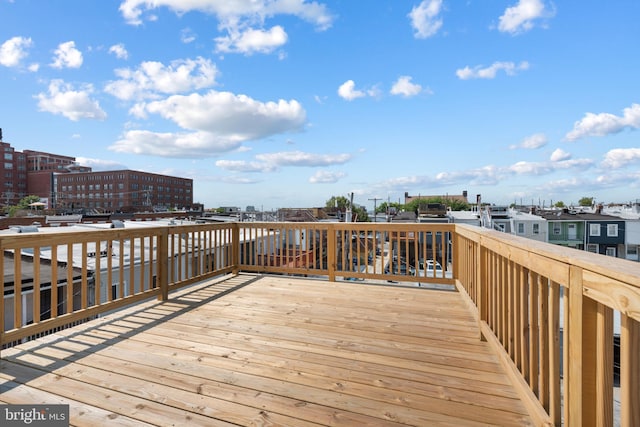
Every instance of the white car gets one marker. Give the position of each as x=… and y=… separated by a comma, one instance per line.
x=431, y=268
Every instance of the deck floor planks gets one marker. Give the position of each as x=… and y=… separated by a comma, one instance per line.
x=306, y=350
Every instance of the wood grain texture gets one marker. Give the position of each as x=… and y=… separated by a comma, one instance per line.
x=273, y=350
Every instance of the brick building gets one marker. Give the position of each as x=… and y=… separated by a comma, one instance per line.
x=122, y=190
x=65, y=185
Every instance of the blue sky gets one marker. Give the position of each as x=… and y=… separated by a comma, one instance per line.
x=286, y=103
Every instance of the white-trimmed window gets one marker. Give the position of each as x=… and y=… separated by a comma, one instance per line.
x=536, y=228
x=521, y=228
x=611, y=251
x=594, y=229
x=612, y=230
x=557, y=229
x=592, y=247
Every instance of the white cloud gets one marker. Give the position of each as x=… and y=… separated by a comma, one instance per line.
x=73, y=104
x=251, y=41
x=510, y=68
x=562, y=162
x=100, y=165
x=237, y=116
x=153, y=78
x=559, y=155
x=14, y=50
x=299, y=158
x=620, y=157
x=326, y=177
x=177, y=145
x=604, y=124
x=187, y=36
x=347, y=91
x=530, y=168
x=520, y=18
x=403, y=86
x=486, y=175
x=235, y=179
x=226, y=11
x=240, y=21
x=244, y=166
x=215, y=123
x=564, y=186
x=425, y=19
x=119, y=51
x=569, y=163
x=532, y=142
x=67, y=56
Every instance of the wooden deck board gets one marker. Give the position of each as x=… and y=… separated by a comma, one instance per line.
x=277, y=350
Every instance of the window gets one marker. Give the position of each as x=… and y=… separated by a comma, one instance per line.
x=592, y=247
x=594, y=229
x=612, y=230
x=632, y=250
x=536, y=228
x=521, y=228
x=611, y=251
x=556, y=229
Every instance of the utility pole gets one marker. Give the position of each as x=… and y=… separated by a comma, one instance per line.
x=375, y=206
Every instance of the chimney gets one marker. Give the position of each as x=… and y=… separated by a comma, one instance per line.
x=464, y=194
x=0, y=134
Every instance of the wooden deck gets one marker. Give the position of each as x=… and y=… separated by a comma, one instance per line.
x=253, y=350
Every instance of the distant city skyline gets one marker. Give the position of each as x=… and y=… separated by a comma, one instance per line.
x=288, y=103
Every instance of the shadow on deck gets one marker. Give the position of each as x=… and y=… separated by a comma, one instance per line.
x=260, y=350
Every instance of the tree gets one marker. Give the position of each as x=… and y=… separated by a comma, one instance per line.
x=453, y=204
x=382, y=208
x=24, y=203
x=341, y=204
x=559, y=204
x=586, y=201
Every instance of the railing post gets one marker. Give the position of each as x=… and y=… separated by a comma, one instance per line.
x=2, y=298
x=481, y=279
x=162, y=263
x=235, y=248
x=629, y=371
x=581, y=371
x=604, y=380
x=331, y=252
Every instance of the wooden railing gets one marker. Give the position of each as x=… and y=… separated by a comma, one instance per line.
x=549, y=311
x=51, y=279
